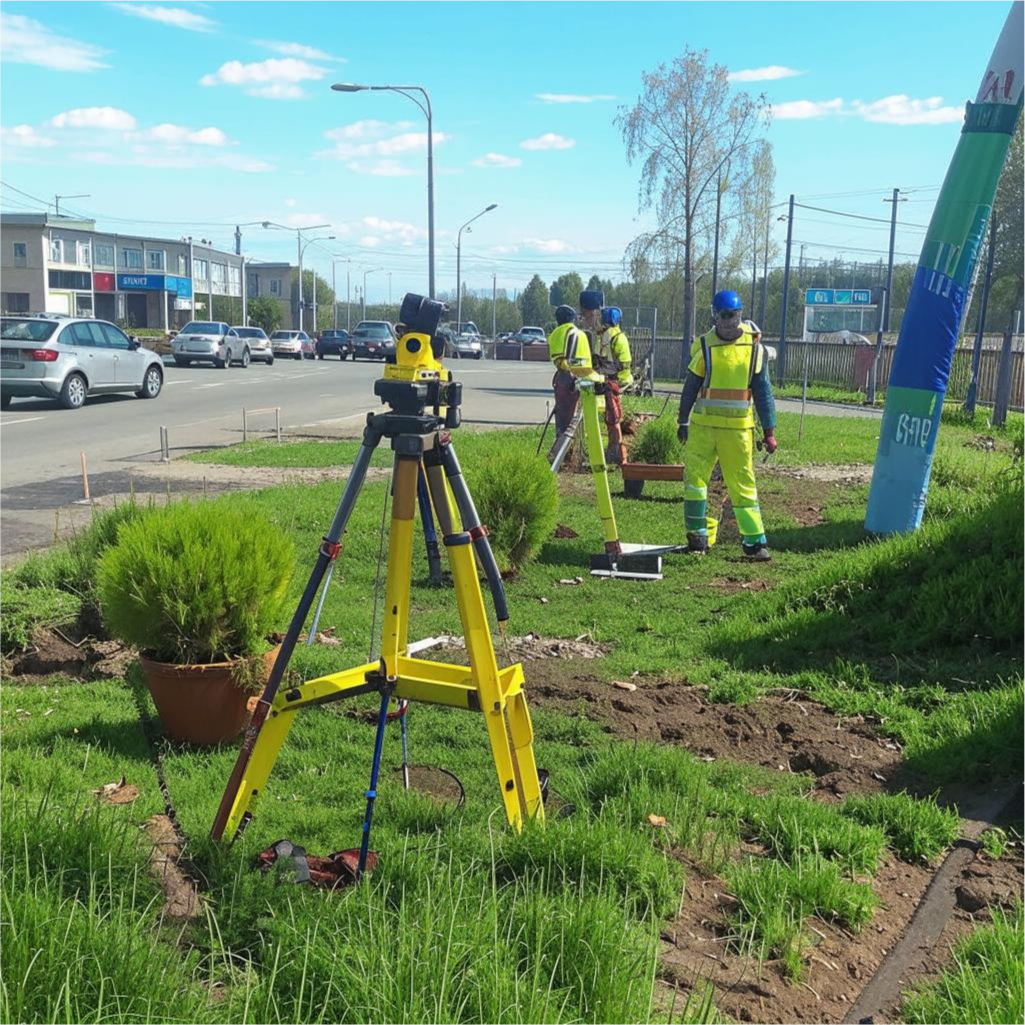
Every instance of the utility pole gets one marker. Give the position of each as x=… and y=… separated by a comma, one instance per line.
x=389, y=288
x=765, y=270
x=973, y=386
x=57, y=201
x=781, y=359
x=348, y=297
x=494, y=306
x=238, y=240
x=889, y=267
x=754, y=276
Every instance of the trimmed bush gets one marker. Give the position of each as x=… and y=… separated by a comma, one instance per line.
x=195, y=583
x=517, y=497
x=25, y=608
x=657, y=443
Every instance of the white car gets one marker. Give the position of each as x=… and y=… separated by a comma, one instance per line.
x=209, y=341
x=289, y=344
x=68, y=359
x=260, y=348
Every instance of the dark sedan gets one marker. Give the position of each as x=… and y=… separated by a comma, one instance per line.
x=333, y=343
x=373, y=339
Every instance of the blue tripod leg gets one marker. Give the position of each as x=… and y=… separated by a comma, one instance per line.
x=364, y=847
x=403, y=714
x=430, y=534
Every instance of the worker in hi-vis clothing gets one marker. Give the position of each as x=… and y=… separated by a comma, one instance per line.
x=728, y=373
x=614, y=362
x=570, y=351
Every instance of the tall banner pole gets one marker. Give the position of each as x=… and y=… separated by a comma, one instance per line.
x=940, y=291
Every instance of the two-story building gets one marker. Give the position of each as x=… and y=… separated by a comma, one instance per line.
x=55, y=264
x=277, y=280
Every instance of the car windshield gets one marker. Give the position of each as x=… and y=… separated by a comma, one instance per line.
x=285, y=334
x=374, y=330
x=250, y=332
x=202, y=327
x=27, y=330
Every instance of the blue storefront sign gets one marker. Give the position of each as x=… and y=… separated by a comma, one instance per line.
x=818, y=297
x=181, y=287
x=837, y=297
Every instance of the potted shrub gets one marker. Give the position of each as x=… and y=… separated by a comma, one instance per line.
x=197, y=588
x=656, y=454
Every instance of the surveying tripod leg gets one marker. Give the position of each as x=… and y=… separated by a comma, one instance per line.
x=394, y=634
x=328, y=553
x=368, y=816
x=522, y=734
x=596, y=457
x=564, y=441
x=430, y=534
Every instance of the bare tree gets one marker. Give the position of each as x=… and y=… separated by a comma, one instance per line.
x=686, y=127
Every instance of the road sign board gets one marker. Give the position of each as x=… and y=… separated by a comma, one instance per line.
x=842, y=297
x=818, y=297
x=861, y=296
x=837, y=297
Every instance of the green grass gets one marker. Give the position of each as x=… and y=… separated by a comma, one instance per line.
x=918, y=830
x=985, y=982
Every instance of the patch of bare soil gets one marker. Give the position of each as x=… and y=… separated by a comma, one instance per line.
x=835, y=473
x=529, y=648
x=181, y=899
x=440, y=786
x=55, y=651
x=785, y=734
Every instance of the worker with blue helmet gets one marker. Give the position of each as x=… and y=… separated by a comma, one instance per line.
x=727, y=382
x=614, y=361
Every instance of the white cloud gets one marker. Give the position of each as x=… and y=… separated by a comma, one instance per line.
x=572, y=97
x=370, y=240
x=548, y=245
x=179, y=135
x=106, y=118
x=25, y=136
x=404, y=142
x=771, y=73
x=310, y=53
x=548, y=141
x=381, y=169
x=804, y=110
x=902, y=110
x=275, y=78
x=26, y=41
x=178, y=17
x=401, y=231
x=367, y=129
x=497, y=160
x=290, y=203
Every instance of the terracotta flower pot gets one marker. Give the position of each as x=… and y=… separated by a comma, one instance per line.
x=201, y=704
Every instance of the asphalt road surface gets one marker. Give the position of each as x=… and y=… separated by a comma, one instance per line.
x=201, y=407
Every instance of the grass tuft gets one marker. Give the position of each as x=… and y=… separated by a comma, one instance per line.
x=917, y=829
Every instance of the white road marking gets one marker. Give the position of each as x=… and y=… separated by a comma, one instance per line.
x=26, y=420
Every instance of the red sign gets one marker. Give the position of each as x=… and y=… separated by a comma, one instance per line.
x=103, y=282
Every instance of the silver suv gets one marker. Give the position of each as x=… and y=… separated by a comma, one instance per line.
x=209, y=341
x=67, y=359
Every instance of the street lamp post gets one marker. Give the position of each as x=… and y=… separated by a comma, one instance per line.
x=302, y=250
x=459, y=269
x=299, y=248
x=372, y=270
x=334, y=288
x=425, y=108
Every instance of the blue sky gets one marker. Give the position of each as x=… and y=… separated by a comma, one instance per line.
x=205, y=115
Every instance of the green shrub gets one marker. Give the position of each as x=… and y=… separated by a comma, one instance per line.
x=657, y=443
x=195, y=583
x=25, y=608
x=517, y=498
x=71, y=565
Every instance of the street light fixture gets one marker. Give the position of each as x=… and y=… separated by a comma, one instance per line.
x=425, y=108
x=299, y=247
x=309, y=242
x=459, y=269
x=372, y=270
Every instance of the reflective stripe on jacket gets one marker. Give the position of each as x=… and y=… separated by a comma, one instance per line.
x=726, y=370
x=569, y=350
x=614, y=345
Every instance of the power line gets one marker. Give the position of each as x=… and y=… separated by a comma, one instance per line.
x=856, y=217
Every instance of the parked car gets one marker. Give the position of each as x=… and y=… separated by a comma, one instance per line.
x=69, y=359
x=504, y=336
x=289, y=344
x=333, y=343
x=260, y=348
x=530, y=336
x=209, y=341
x=373, y=339
x=465, y=343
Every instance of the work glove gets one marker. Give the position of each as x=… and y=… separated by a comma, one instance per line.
x=585, y=384
x=681, y=433
x=769, y=442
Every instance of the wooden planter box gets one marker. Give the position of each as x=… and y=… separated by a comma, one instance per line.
x=635, y=474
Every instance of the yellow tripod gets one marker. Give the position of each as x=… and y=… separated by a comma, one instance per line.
x=424, y=400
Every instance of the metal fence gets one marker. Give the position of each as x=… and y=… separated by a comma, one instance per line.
x=847, y=367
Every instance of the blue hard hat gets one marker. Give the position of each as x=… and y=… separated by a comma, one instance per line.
x=565, y=314
x=611, y=316
x=726, y=300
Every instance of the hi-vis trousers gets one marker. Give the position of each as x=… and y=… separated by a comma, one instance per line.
x=734, y=449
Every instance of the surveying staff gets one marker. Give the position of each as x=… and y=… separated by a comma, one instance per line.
x=728, y=371
x=614, y=362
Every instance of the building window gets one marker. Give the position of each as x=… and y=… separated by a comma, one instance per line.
x=56, y=250
x=85, y=255
x=154, y=259
x=20, y=255
x=235, y=280
x=183, y=264
x=202, y=270
x=275, y=286
x=15, y=302
x=74, y=280
x=132, y=259
x=104, y=255
x=220, y=273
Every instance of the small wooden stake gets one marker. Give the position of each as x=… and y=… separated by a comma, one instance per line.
x=85, y=479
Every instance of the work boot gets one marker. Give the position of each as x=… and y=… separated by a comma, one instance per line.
x=697, y=544
x=758, y=552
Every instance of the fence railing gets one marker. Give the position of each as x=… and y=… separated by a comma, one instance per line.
x=847, y=367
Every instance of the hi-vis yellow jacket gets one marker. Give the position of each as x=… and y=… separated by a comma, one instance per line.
x=570, y=351
x=726, y=369
x=616, y=346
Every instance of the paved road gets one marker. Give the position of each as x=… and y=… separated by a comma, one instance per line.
x=202, y=408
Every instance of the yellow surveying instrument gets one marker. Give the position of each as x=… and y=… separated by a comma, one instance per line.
x=424, y=405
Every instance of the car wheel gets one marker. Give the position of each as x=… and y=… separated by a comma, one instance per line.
x=5, y=401
x=151, y=383
x=480, y=355
x=298, y=356
x=270, y=361
x=245, y=358
x=73, y=392
x=320, y=355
